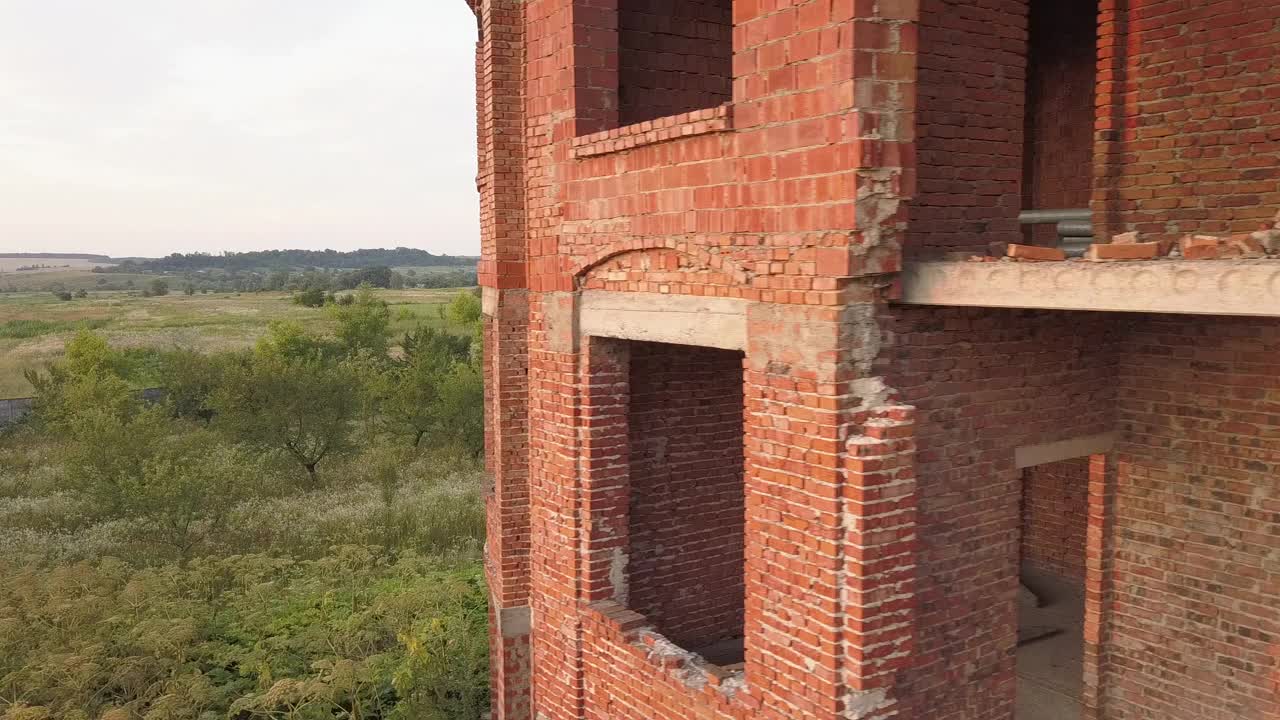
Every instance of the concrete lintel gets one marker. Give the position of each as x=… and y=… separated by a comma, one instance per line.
x=1204, y=287
x=489, y=301
x=1029, y=455
x=560, y=315
x=655, y=317
x=515, y=621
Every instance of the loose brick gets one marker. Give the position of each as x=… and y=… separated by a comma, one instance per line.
x=1200, y=247
x=1034, y=253
x=1132, y=251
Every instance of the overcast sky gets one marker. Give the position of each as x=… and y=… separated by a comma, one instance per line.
x=144, y=127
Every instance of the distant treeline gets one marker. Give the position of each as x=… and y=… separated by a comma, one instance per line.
x=291, y=260
x=58, y=256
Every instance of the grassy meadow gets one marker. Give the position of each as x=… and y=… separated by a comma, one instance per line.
x=35, y=326
x=294, y=532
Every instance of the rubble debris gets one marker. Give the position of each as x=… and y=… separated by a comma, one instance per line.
x=1035, y=253
x=1245, y=246
x=1200, y=247
x=1129, y=238
x=1123, y=251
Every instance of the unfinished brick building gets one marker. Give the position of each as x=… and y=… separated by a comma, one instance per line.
x=767, y=442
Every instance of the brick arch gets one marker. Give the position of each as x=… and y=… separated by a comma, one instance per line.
x=648, y=263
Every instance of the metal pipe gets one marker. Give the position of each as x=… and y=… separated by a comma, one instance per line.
x=1075, y=229
x=1044, y=217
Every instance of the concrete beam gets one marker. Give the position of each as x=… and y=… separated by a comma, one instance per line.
x=1206, y=287
x=1031, y=455
x=655, y=317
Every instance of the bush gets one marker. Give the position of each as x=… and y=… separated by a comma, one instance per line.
x=62, y=295
x=313, y=297
x=248, y=636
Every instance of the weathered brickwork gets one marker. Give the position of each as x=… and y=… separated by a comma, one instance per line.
x=684, y=560
x=971, y=95
x=984, y=383
x=1055, y=510
x=674, y=56
x=1061, y=81
x=1189, y=126
x=1195, y=631
x=822, y=482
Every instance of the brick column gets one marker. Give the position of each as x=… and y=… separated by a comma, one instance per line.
x=880, y=569
x=499, y=79
x=1099, y=595
x=830, y=514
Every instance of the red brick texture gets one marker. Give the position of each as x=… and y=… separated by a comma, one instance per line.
x=1189, y=126
x=1055, y=508
x=985, y=382
x=972, y=90
x=687, y=513
x=674, y=56
x=1061, y=81
x=855, y=461
x=1196, y=624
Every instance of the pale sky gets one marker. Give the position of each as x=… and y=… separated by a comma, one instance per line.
x=145, y=127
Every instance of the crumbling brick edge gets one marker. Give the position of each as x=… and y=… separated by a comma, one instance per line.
x=649, y=132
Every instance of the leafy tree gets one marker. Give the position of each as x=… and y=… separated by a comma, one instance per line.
x=108, y=451
x=364, y=325
x=408, y=393
x=464, y=310
x=90, y=376
x=311, y=297
x=304, y=406
x=159, y=287
x=290, y=341
x=186, y=489
x=189, y=380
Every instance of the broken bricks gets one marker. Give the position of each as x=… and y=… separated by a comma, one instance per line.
x=1035, y=253
x=1123, y=251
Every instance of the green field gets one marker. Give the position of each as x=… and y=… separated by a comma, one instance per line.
x=34, y=327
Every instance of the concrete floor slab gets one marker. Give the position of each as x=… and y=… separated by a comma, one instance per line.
x=1051, y=668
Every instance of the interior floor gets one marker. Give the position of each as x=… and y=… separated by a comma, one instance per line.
x=1051, y=649
x=727, y=654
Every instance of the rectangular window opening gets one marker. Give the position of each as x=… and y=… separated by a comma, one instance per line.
x=674, y=56
x=1060, y=115
x=687, y=514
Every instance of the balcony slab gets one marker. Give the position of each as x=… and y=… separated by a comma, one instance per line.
x=1207, y=287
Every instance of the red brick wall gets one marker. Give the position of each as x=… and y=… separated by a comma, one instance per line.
x=971, y=87
x=673, y=56
x=687, y=510
x=1061, y=79
x=1196, y=625
x=1055, y=507
x=1190, y=137
x=984, y=383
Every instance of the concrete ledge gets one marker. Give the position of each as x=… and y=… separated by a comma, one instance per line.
x=655, y=317
x=1030, y=455
x=1207, y=287
x=515, y=621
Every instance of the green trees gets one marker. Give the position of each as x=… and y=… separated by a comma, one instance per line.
x=364, y=325
x=238, y=595
x=302, y=404
x=311, y=297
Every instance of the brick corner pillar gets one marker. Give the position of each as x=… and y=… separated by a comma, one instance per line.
x=1099, y=595
x=506, y=310
x=831, y=513
x=879, y=559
